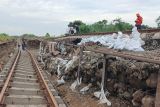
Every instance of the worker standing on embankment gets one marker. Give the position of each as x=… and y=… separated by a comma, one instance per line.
x=139, y=21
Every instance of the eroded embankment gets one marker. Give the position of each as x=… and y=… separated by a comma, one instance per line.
x=6, y=51
x=130, y=81
x=125, y=78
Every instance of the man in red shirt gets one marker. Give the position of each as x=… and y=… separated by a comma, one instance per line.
x=138, y=21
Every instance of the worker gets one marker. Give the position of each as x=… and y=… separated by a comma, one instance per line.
x=23, y=45
x=138, y=21
x=19, y=46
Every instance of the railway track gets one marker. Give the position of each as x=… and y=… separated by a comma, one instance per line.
x=24, y=84
x=73, y=37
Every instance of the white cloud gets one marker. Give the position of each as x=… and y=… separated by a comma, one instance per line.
x=22, y=15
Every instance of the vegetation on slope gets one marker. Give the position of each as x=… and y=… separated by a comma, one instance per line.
x=103, y=26
x=5, y=37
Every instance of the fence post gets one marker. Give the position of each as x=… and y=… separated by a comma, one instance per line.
x=80, y=59
x=104, y=73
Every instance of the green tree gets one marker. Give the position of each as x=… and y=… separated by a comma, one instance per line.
x=70, y=24
x=5, y=37
x=84, y=29
x=4, y=34
x=102, y=26
x=121, y=25
x=146, y=27
x=158, y=22
x=47, y=35
x=75, y=23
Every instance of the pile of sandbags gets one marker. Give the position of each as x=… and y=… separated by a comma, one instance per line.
x=119, y=41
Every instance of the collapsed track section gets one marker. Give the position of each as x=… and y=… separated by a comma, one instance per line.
x=25, y=85
x=155, y=59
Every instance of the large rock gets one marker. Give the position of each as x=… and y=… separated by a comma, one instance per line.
x=72, y=64
x=148, y=101
x=156, y=36
x=152, y=80
x=137, y=98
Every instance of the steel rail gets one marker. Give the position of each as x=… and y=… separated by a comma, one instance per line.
x=130, y=54
x=125, y=32
x=49, y=93
x=119, y=54
x=9, y=77
x=111, y=50
x=101, y=34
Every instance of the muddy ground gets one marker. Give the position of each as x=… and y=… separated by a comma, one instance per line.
x=76, y=99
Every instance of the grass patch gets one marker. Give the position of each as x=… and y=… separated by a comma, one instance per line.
x=5, y=37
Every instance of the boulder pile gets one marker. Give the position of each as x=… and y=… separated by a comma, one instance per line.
x=127, y=79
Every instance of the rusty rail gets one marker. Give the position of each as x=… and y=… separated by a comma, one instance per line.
x=50, y=97
x=119, y=54
x=71, y=37
x=2, y=94
x=125, y=32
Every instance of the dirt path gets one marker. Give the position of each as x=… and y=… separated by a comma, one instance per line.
x=76, y=99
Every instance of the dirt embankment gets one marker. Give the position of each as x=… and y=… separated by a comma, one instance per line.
x=5, y=52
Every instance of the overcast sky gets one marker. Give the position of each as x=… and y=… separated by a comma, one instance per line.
x=52, y=16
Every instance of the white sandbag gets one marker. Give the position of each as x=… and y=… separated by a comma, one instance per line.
x=135, y=42
x=58, y=63
x=85, y=89
x=71, y=64
x=61, y=81
x=119, y=41
x=76, y=83
x=102, y=96
x=58, y=71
